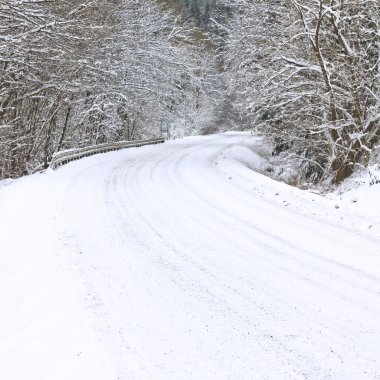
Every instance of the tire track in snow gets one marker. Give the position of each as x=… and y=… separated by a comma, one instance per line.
x=273, y=308
x=313, y=268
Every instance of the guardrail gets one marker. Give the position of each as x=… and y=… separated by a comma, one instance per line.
x=65, y=156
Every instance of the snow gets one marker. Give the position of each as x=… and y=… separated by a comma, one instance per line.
x=184, y=261
x=42, y=331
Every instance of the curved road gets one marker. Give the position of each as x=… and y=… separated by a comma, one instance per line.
x=183, y=263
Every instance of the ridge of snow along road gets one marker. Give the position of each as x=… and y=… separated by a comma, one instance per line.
x=183, y=261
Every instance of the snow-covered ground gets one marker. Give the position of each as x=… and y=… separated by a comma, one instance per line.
x=183, y=261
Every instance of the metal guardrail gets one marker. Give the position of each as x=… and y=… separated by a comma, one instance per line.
x=65, y=156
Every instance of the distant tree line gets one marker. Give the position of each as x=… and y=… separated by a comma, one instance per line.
x=305, y=73
x=76, y=73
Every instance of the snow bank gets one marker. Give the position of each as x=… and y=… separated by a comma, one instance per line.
x=360, y=195
x=355, y=204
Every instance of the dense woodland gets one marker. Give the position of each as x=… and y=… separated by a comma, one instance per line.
x=304, y=73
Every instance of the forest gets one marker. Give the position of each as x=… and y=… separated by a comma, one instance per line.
x=303, y=73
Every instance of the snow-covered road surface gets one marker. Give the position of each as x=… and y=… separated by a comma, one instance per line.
x=179, y=262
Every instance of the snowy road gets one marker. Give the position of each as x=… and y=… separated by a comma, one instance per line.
x=179, y=262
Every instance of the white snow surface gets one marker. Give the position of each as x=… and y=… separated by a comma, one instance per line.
x=183, y=261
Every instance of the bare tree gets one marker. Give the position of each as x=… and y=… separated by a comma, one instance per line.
x=76, y=73
x=308, y=73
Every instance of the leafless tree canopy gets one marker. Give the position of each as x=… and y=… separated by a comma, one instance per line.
x=304, y=72
x=74, y=73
